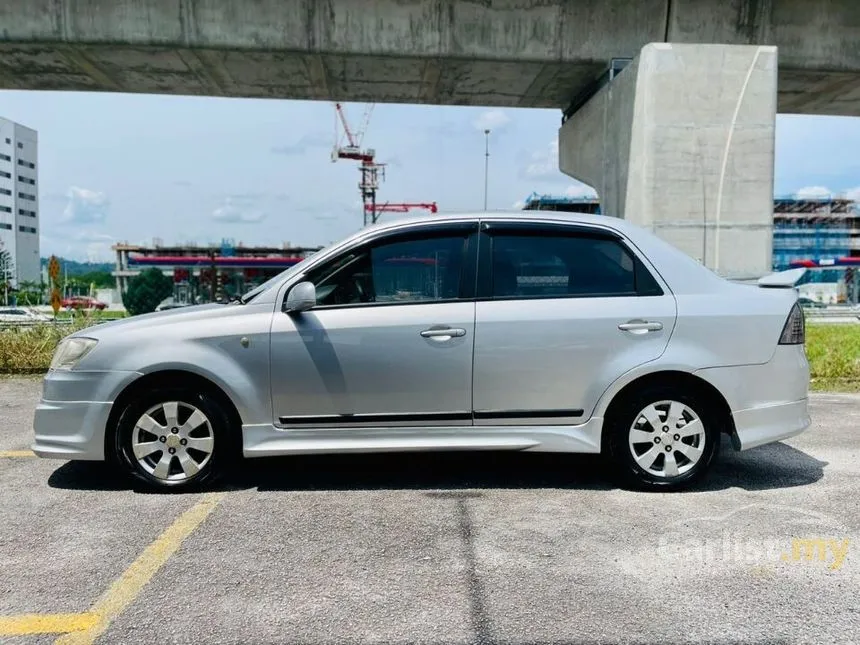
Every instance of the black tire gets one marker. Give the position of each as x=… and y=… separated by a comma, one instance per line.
x=224, y=447
x=617, y=433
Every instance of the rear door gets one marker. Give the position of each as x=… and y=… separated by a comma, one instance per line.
x=562, y=312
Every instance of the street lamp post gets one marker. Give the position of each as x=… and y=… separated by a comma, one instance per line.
x=486, y=163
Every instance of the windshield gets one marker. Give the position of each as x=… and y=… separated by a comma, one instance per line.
x=298, y=268
x=256, y=291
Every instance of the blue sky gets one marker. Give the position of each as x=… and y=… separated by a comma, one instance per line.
x=118, y=167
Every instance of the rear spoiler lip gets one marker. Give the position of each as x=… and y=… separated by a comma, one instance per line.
x=782, y=279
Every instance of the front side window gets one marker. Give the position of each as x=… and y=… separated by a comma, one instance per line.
x=553, y=265
x=401, y=271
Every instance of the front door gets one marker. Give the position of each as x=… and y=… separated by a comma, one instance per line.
x=390, y=341
x=562, y=312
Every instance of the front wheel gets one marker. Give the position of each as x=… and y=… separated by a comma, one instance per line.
x=174, y=440
x=662, y=439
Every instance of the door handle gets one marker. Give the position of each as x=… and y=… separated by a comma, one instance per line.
x=640, y=326
x=443, y=333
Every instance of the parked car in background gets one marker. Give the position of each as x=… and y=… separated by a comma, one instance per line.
x=170, y=303
x=21, y=315
x=809, y=303
x=82, y=302
x=528, y=331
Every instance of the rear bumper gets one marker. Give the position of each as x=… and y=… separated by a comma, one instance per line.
x=766, y=424
x=769, y=402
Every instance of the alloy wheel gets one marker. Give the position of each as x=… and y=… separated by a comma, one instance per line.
x=667, y=439
x=173, y=441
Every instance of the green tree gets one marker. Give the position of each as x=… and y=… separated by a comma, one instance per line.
x=30, y=292
x=146, y=291
x=7, y=273
x=102, y=279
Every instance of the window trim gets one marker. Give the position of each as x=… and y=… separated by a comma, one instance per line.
x=543, y=229
x=468, y=230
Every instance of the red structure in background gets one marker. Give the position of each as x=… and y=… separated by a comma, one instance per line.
x=369, y=168
x=403, y=208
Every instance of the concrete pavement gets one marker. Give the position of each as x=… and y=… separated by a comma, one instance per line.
x=443, y=548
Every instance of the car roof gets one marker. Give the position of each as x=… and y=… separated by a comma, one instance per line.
x=606, y=221
x=682, y=273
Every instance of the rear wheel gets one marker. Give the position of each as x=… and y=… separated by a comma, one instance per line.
x=174, y=440
x=662, y=438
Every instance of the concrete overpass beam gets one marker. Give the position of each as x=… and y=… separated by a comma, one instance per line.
x=681, y=141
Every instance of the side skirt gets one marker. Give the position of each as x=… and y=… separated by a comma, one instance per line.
x=266, y=440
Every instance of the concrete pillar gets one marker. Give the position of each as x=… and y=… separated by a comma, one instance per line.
x=681, y=141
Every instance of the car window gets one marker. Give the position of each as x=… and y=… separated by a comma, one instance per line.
x=555, y=265
x=410, y=270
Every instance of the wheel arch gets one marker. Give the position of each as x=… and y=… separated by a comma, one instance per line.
x=163, y=380
x=678, y=379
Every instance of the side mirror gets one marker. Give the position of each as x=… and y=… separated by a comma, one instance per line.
x=301, y=297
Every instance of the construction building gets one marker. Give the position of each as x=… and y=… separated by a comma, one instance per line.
x=19, y=203
x=206, y=273
x=818, y=229
x=536, y=202
x=820, y=233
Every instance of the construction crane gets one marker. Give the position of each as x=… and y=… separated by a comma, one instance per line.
x=405, y=207
x=351, y=149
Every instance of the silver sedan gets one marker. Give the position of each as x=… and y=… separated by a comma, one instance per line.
x=541, y=332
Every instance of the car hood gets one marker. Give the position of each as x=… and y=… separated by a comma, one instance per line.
x=158, y=319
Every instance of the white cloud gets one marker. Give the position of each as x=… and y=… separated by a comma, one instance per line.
x=305, y=143
x=491, y=120
x=85, y=206
x=235, y=211
x=578, y=189
x=853, y=194
x=813, y=192
x=85, y=245
x=518, y=205
x=93, y=237
x=98, y=252
x=543, y=163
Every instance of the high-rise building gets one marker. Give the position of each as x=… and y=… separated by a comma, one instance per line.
x=19, y=200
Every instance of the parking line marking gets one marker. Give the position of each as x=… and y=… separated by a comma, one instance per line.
x=17, y=453
x=28, y=624
x=132, y=581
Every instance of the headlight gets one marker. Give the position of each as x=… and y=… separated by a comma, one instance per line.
x=70, y=351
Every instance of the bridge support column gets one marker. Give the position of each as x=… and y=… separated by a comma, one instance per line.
x=681, y=141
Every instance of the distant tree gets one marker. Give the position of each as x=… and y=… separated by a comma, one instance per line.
x=30, y=292
x=7, y=272
x=146, y=291
x=101, y=279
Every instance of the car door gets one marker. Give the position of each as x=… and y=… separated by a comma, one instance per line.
x=390, y=341
x=562, y=312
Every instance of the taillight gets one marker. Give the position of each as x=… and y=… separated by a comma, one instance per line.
x=794, y=331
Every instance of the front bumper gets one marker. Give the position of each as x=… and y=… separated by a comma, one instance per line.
x=71, y=418
x=766, y=424
x=71, y=429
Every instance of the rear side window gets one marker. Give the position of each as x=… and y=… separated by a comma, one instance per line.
x=551, y=265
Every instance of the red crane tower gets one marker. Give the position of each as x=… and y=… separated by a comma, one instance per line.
x=369, y=168
x=404, y=208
